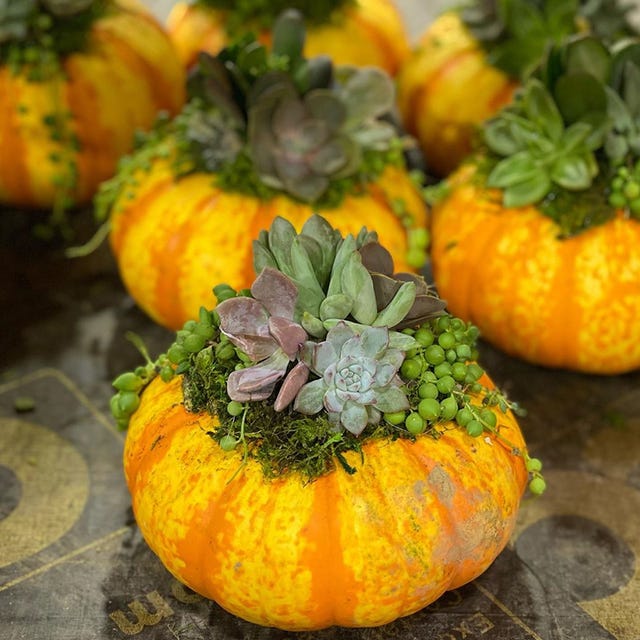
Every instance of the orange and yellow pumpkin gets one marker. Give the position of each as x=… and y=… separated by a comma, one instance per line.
x=446, y=88
x=416, y=519
x=173, y=239
x=572, y=303
x=367, y=32
x=64, y=133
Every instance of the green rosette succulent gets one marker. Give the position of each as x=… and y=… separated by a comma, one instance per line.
x=295, y=394
x=517, y=33
x=572, y=134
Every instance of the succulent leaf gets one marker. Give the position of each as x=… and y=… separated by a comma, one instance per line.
x=355, y=377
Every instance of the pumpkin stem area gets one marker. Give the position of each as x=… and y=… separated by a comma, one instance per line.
x=329, y=349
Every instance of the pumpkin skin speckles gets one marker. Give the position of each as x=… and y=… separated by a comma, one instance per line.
x=351, y=550
x=570, y=303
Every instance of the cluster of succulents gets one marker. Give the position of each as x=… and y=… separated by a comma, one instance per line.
x=268, y=120
x=27, y=30
x=574, y=124
x=330, y=346
x=517, y=33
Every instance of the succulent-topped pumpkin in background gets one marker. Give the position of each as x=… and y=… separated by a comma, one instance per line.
x=360, y=32
x=536, y=240
x=469, y=61
x=264, y=133
x=77, y=78
x=327, y=427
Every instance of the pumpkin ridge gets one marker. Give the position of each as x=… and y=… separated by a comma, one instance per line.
x=148, y=74
x=390, y=54
x=171, y=255
x=82, y=100
x=14, y=178
x=329, y=572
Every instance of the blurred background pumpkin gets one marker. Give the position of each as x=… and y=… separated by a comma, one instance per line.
x=537, y=238
x=63, y=125
x=361, y=32
x=255, y=141
x=467, y=63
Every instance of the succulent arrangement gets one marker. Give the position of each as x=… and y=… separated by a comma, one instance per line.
x=271, y=121
x=36, y=33
x=327, y=349
x=571, y=135
x=517, y=33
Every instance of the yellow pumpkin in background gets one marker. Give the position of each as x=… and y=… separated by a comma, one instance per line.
x=184, y=208
x=446, y=88
x=570, y=303
x=66, y=121
x=344, y=472
x=536, y=239
x=364, y=32
x=467, y=64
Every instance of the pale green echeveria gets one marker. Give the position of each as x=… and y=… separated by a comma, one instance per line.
x=358, y=376
x=368, y=94
x=209, y=133
x=262, y=327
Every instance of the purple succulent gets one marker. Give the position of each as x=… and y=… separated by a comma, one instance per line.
x=263, y=328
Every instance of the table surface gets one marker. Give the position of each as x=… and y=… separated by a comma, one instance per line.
x=74, y=566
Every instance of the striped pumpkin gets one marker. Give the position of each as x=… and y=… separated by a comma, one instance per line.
x=446, y=88
x=371, y=32
x=174, y=239
x=128, y=72
x=569, y=303
x=416, y=519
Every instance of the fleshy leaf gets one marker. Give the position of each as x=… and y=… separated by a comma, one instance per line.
x=291, y=386
x=398, y=308
x=277, y=293
x=310, y=398
x=356, y=282
x=392, y=399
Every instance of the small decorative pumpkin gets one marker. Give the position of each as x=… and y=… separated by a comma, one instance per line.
x=181, y=207
x=361, y=32
x=302, y=461
x=536, y=241
x=468, y=63
x=77, y=79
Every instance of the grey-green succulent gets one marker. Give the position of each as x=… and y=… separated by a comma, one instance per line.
x=539, y=149
x=332, y=280
x=358, y=377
